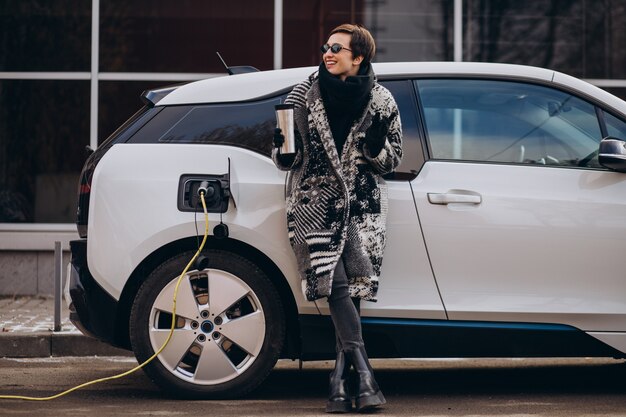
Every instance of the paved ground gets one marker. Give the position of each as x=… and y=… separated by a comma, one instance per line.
x=31, y=314
x=36, y=363
x=510, y=387
x=26, y=330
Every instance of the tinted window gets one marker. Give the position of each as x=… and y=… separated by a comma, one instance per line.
x=498, y=121
x=412, y=154
x=245, y=125
x=615, y=127
x=118, y=99
x=251, y=125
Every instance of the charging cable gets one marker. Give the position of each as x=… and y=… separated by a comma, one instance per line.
x=201, y=192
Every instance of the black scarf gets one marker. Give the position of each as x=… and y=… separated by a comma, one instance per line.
x=344, y=101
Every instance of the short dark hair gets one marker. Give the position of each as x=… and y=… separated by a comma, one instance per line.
x=362, y=42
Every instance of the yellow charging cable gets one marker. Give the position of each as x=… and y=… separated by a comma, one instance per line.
x=151, y=358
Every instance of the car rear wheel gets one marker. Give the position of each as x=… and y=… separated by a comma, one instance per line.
x=229, y=330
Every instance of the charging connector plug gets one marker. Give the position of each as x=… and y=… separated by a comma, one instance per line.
x=204, y=189
x=210, y=191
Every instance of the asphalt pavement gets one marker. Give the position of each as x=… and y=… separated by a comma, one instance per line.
x=37, y=361
x=429, y=388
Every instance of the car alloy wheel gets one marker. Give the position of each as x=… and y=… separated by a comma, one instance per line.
x=222, y=344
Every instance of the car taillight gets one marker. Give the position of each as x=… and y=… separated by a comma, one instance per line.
x=121, y=135
x=84, y=190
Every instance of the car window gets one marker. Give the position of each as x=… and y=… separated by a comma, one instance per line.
x=412, y=154
x=509, y=122
x=615, y=127
x=250, y=125
x=247, y=125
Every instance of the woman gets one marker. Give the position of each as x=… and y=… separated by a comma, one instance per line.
x=348, y=135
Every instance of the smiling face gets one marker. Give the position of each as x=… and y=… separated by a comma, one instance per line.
x=342, y=64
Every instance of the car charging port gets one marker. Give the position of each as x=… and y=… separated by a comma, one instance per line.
x=216, y=189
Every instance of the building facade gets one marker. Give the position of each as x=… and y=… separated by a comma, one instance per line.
x=71, y=71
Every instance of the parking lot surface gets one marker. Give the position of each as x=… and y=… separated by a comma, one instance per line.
x=486, y=387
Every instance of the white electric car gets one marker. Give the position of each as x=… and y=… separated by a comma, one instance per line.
x=506, y=227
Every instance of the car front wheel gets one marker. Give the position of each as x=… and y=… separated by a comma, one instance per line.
x=229, y=329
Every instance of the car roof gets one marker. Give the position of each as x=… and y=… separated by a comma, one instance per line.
x=251, y=86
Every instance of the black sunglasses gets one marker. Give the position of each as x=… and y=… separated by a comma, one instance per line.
x=335, y=48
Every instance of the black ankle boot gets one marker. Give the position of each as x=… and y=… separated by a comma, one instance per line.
x=339, y=399
x=368, y=394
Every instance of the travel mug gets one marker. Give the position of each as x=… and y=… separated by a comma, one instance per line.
x=284, y=120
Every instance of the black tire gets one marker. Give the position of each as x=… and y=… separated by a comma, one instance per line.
x=146, y=321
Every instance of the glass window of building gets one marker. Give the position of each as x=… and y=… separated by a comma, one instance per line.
x=578, y=37
x=409, y=30
x=183, y=36
x=40, y=35
x=405, y=30
x=307, y=23
x=44, y=128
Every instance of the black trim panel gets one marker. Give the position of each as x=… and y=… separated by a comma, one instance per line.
x=93, y=310
x=411, y=338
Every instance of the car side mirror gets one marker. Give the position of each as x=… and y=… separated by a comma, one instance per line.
x=612, y=154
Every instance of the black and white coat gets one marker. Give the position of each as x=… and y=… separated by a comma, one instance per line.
x=338, y=207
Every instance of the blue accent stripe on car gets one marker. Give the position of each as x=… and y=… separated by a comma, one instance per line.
x=468, y=324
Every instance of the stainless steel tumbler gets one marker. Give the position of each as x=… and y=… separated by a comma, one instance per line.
x=284, y=120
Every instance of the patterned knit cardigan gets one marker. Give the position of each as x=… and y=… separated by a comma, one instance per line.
x=338, y=207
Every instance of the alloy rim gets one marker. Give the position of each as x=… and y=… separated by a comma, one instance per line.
x=220, y=327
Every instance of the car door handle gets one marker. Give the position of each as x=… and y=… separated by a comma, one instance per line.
x=454, y=197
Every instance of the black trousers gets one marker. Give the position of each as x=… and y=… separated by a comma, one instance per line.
x=344, y=312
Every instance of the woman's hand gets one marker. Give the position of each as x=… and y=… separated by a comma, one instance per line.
x=279, y=139
x=287, y=160
x=376, y=134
